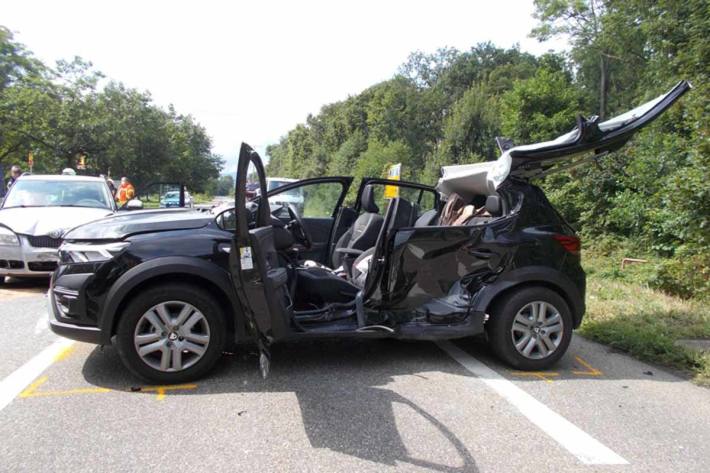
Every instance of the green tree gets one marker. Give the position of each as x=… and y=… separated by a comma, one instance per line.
x=470, y=130
x=539, y=108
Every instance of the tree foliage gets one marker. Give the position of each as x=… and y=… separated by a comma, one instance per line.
x=60, y=113
x=445, y=108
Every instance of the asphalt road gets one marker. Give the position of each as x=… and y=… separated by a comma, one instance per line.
x=343, y=405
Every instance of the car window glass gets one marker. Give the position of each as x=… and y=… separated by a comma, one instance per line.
x=424, y=199
x=317, y=200
x=70, y=193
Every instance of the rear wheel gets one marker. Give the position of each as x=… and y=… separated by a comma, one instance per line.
x=531, y=329
x=171, y=334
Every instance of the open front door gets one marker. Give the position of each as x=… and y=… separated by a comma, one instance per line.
x=261, y=284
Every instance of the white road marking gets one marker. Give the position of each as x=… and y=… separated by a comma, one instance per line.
x=19, y=379
x=579, y=443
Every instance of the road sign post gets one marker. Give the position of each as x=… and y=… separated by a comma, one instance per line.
x=393, y=173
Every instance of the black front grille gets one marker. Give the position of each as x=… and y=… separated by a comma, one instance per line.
x=44, y=241
x=11, y=264
x=42, y=265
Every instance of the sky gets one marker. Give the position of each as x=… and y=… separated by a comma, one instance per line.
x=251, y=71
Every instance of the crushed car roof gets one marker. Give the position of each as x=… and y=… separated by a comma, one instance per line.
x=590, y=137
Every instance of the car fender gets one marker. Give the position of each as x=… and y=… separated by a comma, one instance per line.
x=170, y=265
x=537, y=275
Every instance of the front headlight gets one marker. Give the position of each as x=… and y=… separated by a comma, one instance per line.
x=8, y=237
x=88, y=253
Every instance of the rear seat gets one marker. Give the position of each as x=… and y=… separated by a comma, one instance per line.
x=493, y=208
x=428, y=218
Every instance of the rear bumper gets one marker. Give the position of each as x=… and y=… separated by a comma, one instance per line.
x=75, y=332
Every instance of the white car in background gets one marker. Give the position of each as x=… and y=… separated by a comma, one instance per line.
x=36, y=213
x=290, y=197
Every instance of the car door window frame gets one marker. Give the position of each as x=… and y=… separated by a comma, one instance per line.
x=389, y=182
x=345, y=181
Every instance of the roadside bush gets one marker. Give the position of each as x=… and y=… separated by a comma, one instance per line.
x=683, y=277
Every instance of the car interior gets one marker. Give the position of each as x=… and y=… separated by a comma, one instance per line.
x=327, y=295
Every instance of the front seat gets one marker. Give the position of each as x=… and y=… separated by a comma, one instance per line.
x=400, y=214
x=363, y=233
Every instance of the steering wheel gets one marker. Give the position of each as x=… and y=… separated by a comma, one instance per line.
x=298, y=229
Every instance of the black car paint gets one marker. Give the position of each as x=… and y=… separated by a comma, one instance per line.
x=439, y=275
x=418, y=290
x=428, y=282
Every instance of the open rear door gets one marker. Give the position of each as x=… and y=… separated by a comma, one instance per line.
x=261, y=284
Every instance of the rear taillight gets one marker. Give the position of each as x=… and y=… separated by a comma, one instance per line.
x=569, y=243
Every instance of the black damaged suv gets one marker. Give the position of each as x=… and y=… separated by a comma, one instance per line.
x=482, y=252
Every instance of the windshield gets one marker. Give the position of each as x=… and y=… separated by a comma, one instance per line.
x=172, y=195
x=54, y=193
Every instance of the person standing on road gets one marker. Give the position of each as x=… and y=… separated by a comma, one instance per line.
x=15, y=172
x=125, y=192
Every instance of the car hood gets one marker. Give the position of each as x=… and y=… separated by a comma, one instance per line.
x=133, y=222
x=39, y=221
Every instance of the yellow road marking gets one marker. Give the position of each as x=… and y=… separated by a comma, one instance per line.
x=31, y=390
x=33, y=387
x=64, y=354
x=68, y=392
x=590, y=370
x=544, y=375
x=161, y=390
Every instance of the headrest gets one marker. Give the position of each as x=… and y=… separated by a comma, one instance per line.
x=367, y=201
x=493, y=205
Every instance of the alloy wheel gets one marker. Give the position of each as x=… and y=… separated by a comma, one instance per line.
x=537, y=330
x=171, y=336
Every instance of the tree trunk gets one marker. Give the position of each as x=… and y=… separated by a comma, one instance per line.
x=603, y=85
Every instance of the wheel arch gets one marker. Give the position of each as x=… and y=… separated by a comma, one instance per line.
x=533, y=277
x=168, y=270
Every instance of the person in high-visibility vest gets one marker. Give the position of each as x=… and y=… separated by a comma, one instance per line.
x=125, y=192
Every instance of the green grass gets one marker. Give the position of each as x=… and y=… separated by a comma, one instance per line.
x=626, y=314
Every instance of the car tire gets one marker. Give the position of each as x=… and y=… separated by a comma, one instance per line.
x=134, y=323
x=525, y=305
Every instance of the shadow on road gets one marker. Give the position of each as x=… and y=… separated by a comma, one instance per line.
x=23, y=287
x=341, y=387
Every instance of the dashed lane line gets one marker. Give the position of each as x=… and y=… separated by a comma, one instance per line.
x=18, y=380
x=579, y=443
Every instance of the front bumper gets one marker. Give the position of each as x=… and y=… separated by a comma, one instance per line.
x=26, y=260
x=80, y=333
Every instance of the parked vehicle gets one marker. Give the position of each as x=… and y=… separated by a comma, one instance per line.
x=172, y=199
x=173, y=288
x=35, y=214
x=294, y=196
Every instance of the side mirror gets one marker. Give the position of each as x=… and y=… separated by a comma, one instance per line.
x=134, y=204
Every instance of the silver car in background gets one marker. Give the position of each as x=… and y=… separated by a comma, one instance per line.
x=36, y=213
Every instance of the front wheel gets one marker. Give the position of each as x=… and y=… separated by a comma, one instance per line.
x=531, y=329
x=171, y=334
